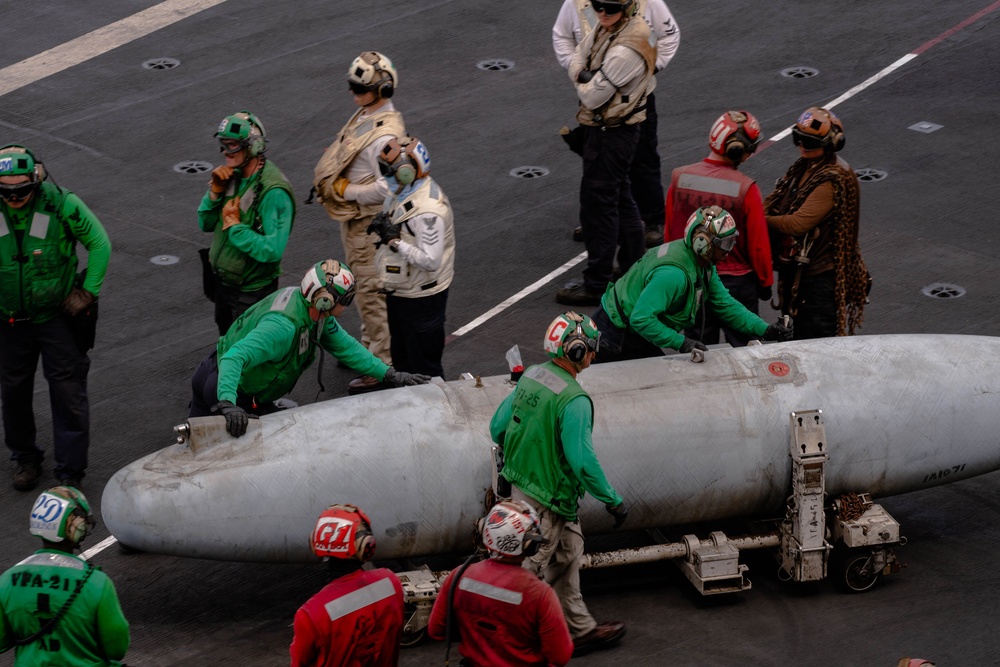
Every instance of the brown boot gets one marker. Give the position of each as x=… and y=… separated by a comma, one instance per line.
x=605, y=635
x=26, y=476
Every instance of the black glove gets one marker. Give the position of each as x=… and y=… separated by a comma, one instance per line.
x=778, y=331
x=383, y=227
x=619, y=512
x=404, y=379
x=692, y=344
x=237, y=418
x=584, y=76
x=764, y=293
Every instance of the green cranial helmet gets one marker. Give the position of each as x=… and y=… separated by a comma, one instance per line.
x=245, y=128
x=61, y=514
x=570, y=336
x=708, y=227
x=16, y=161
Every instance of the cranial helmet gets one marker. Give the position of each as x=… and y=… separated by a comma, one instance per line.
x=735, y=135
x=708, y=227
x=17, y=160
x=373, y=72
x=406, y=158
x=570, y=336
x=512, y=528
x=245, y=128
x=328, y=284
x=818, y=128
x=343, y=531
x=61, y=514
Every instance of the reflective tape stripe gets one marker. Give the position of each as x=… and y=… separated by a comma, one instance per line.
x=546, y=378
x=55, y=560
x=359, y=599
x=490, y=591
x=715, y=186
x=39, y=225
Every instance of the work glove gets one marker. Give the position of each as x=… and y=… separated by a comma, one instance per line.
x=220, y=179
x=382, y=227
x=404, y=379
x=237, y=418
x=231, y=213
x=77, y=301
x=779, y=331
x=340, y=186
x=584, y=76
x=692, y=344
x=619, y=512
x=764, y=293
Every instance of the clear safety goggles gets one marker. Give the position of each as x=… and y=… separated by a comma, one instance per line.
x=726, y=243
x=231, y=146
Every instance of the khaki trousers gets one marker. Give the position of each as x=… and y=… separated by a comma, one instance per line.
x=558, y=563
x=359, y=248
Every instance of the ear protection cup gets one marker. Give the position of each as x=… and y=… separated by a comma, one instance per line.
x=76, y=527
x=739, y=144
x=323, y=301
x=701, y=243
x=406, y=173
x=575, y=348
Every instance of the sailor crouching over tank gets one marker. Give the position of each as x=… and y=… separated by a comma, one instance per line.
x=55, y=607
x=544, y=427
x=357, y=619
x=268, y=347
x=648, y=307
x=502, y=613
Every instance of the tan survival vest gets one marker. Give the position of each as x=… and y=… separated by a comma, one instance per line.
x=628, y=104
x=353, y=139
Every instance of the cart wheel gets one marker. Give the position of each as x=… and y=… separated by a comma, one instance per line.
x=411, y=639
x=853, y=572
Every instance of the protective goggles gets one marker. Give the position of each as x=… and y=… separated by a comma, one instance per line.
x=608, y=7
x=385, y=168
x=726, y=243
x=594, y=344
x=347, y=298
x=358, y=88
x=807, y=141
x=17, y=191
x=231, y=146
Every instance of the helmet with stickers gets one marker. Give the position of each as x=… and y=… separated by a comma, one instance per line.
x=571, y=336
x=245, y=128
x=61, y=514
x=328, y=284
x=819, y=128
x=512, y=529
x=735, y=134
x=710, y=227
x=407, y=159
x=345, y=532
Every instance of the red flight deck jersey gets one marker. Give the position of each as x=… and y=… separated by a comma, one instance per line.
x=507, y=617
x=355, y=620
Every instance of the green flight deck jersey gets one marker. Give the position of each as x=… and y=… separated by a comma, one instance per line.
x=545, y=428
x=93, y=631
x=269, y=346
x=38, y=260
x=660, y=295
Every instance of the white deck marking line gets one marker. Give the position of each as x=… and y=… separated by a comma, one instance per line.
x=533, y=287
x=98, y=42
